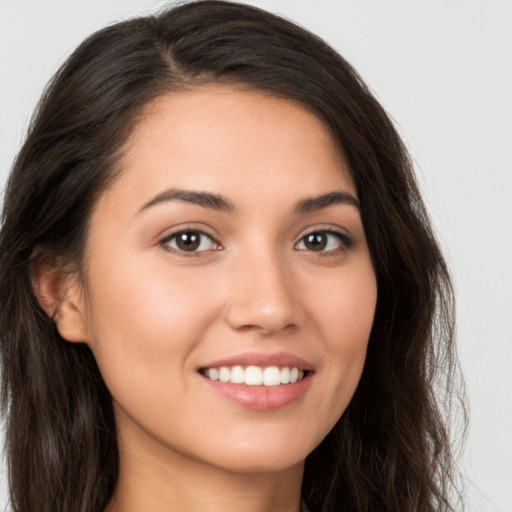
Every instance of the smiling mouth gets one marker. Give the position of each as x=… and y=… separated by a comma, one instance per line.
x=269, y=376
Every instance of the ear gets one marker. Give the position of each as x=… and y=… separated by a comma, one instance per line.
x=60, y=294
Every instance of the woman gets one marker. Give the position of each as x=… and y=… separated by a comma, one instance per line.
x=219, y=286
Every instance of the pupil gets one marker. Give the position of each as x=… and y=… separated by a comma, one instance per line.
x=316, y=241
x=188, y=241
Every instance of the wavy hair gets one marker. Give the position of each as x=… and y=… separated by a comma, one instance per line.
x=390, y=450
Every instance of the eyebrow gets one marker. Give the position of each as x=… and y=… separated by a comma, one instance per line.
x=220, y=203
x=205, y=199
x=325, y=200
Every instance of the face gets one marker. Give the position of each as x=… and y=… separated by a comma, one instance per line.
x=230, y=292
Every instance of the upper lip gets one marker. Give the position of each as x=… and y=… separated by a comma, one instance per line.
x=263, y=360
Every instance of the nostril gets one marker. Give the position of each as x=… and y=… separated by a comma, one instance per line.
x=262, y=295
x=249, y=316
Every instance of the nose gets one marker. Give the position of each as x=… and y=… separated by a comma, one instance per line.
x=263, y=295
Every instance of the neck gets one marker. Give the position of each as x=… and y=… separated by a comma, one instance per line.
x=165, y=481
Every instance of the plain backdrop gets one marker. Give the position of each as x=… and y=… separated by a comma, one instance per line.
x=443, y=70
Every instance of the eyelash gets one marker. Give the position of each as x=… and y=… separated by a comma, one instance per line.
x=165, y=242
x=345, y=242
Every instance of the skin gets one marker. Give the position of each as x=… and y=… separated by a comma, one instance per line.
x=153, y=315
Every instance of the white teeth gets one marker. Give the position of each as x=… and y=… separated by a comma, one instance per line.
x=271, y=376
x=224, y=374
x=255, y=375
x=237, y=375
x=213, y=373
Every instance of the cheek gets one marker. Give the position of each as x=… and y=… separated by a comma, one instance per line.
x=143, y=324
x=344, y=320
x=145, y=294
x=345, y=309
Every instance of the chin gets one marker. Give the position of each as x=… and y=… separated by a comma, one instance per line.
x=272, y=452
x=260, y=461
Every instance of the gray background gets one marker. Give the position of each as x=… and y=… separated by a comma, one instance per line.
x=443, y=69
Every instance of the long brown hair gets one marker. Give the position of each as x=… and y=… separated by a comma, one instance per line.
x=390, y=450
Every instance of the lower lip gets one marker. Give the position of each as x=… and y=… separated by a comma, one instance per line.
x=261, y=398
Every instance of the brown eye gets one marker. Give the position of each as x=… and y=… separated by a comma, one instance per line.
x=190, y=241
x=323, y=241
x=315, y=241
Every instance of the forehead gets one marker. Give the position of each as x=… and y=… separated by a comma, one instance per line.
x=228, y=141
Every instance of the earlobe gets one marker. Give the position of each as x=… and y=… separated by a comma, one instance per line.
x=59, y=293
